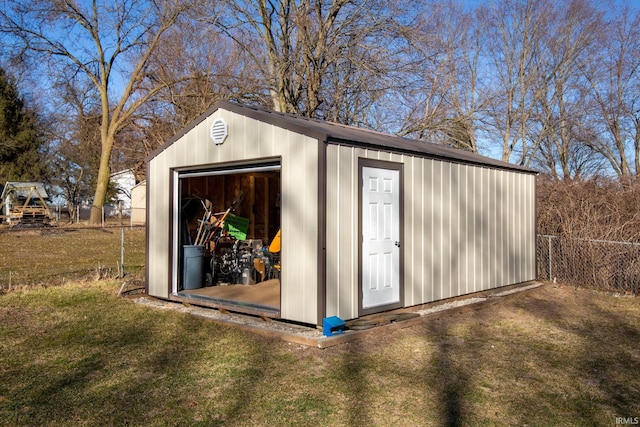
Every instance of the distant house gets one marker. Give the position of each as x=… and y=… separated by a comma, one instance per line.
x=123, y=182
x=139, y=203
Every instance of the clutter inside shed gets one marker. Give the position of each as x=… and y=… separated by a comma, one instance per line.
x=230, y=228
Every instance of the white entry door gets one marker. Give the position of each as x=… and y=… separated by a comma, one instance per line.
x=380, y=237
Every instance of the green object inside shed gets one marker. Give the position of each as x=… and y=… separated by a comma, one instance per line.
x=237, y=226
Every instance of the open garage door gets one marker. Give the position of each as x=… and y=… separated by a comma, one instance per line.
x=227, y=237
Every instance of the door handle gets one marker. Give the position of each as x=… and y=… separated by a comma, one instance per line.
x=397, y=243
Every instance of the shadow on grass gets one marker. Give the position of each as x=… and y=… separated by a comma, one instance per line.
x=352, y=373
x=452, y=378
x=604, y=363
x=87, y=368
x=558, y=362
x=378, y=386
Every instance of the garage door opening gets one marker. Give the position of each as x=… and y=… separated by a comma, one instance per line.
x=229, y=238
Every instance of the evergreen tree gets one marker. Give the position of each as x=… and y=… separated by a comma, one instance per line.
x=20, y=137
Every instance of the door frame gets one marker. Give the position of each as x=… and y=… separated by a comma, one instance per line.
x=381, y=164
x=215, y=169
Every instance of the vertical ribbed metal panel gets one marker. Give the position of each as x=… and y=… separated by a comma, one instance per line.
x=436, y=212
x=342, y=226
x=466, y=228
x=248, y=140
x=414, y=220
x=299, y=213
x=493, y=214
x=158, y=227
x=334, y=254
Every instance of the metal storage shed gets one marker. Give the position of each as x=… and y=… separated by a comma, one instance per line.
x=369, y=222
x=138, y=203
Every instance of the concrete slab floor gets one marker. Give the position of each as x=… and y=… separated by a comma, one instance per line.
x=312, y=336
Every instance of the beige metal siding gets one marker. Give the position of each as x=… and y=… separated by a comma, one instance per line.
x=158, y=256
x=138, y=204
x=342, y=226
x=299, y=207
x=248, y=140
x=466, y=228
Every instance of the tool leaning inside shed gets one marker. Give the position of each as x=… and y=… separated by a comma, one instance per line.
x=221, y=238
x=210, y=228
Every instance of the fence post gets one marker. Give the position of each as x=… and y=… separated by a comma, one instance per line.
x=549, y=238
x=122, y=252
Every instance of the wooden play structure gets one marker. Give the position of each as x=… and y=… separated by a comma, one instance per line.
x=23, y=203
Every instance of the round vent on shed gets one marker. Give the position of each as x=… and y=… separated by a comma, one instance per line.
x=218, y=131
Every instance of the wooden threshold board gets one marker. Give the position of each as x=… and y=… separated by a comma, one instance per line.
x=263, y=293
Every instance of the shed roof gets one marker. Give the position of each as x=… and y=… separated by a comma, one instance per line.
x=334, y=133
x=22, y=189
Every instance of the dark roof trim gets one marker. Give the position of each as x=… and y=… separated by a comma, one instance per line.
x=464, y=157
x=335, y=133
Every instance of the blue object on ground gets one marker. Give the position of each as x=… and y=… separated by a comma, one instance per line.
x=332, y=326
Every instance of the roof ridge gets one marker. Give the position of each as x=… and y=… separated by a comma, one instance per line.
x=315, y=120
x=331, y=132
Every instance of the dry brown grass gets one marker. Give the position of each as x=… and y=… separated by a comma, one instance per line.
x=78, y=355
x=75, y=354
x=51, y=256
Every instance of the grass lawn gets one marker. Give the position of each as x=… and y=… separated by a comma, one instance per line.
x=79, y=355
x=52, y=256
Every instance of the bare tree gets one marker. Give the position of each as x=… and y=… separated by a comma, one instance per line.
x=613, y=76
x=73, y=133
x=317, y=56
x=108, y=45
x=201, y=66
x=514, y=31
x=446, y=58
x=563, y=118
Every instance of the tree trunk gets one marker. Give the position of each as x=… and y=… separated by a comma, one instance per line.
x=102, y=184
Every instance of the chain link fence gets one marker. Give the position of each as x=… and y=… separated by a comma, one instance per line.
x=111, y=214
x=606, y=265
x=53, y=255
x=600, y=264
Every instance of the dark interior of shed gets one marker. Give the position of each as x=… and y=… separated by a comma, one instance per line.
x=229, y=229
